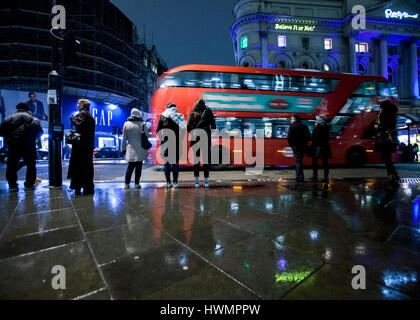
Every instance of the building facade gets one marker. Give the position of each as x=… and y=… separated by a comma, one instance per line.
x=320, y=35
x=113, y=69
x=110, y=63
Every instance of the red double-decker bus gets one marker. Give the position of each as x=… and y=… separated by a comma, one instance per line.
x=246, y=99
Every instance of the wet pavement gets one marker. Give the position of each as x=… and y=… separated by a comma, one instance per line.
x=235, y=240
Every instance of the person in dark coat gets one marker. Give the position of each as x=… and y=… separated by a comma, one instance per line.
x=171, y=120
x=201, y=117
x=21, y=131
x=386, y=137
x=320, y=147
x=298, y=138
x=81, y=158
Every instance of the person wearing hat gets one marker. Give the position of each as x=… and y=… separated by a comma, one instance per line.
x=172, y=120
x=386, y=137
x=20, y=131
x=131, y=147
x=320, y=147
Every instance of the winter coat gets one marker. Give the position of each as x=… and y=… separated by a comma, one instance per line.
x=201, y=119
x=131, y=143
x=15, y=132
x=298, y=136
x=320, y=141
x=81, y=158
x=387, y=123
x=167, y=123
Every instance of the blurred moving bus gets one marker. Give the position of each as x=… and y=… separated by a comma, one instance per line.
x=247, y=99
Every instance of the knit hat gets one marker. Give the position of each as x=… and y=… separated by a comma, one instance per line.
x=22, y=106
x=136, y=113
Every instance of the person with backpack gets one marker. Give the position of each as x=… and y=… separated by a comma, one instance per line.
x=171, y=120
x=132, y=147
x=21, y=131
x=298, y=138
x=320, y=147
x=201, y=117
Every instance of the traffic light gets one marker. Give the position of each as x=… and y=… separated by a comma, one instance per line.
x=114, y=130
x=70, y=47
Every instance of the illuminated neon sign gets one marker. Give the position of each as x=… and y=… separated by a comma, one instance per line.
x=294, y=27
x=399, y=15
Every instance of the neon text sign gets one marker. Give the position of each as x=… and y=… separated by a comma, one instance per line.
x=294, y=27
x=399, y=15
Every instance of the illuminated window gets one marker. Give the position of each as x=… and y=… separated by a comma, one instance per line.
x=327, y=44
x=244, y=42
x=281, y=41
x=362, y=47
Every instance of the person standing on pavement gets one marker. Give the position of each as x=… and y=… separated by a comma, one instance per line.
x=386, y=137
x=81, y=159
x=298, y=138
x=171, y=120
x=20, y=131
x=321, y=148
x=132, y=148
x=201, y=117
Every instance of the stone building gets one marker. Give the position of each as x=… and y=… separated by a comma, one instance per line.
x=318, y=34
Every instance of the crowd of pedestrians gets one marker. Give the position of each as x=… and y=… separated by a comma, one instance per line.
x=22, y=129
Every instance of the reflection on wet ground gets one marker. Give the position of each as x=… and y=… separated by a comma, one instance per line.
x=245, y=240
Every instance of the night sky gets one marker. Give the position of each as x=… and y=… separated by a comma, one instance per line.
x=185, y=31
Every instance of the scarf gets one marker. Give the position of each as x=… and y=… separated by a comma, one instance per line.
x=178, y=118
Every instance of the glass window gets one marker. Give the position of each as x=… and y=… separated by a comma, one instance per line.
x=281, y=40
x=338, y=124
x=244, y=42
x=327, y=44
x=305, y=43
x=367, y=88
x=358, y=104
x=249, y=81
x=362, y=47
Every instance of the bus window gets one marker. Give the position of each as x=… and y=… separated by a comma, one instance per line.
x=358, y=104
x=367, y=88
x=338, y=124
x=384, y=89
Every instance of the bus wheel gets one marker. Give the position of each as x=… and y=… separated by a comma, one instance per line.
x=356, y=157
x=221, y=152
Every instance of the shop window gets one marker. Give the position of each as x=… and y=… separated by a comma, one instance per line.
x=327, y=44
x=362, y=47
x=281, y=40
x=244, y=42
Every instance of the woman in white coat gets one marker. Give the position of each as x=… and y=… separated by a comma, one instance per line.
x=131, y=146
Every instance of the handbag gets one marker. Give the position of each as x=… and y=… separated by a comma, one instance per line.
x=72, y=137
x=386, y=138
x=145, y=143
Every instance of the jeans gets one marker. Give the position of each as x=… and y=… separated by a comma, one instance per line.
x=324, y=164
x=131, y=166
x=29, y=157
x=206, y=165
x=175, y=170
x=299, y=166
